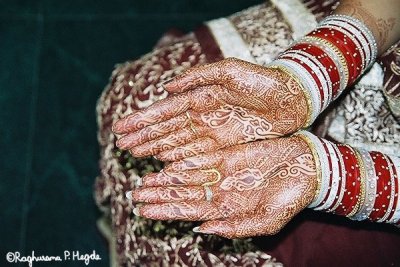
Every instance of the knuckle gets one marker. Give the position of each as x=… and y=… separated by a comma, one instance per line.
x=231, y=62
x=136, y=195
x=273, y=230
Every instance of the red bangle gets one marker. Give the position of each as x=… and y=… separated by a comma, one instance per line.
x=396, y=181
x=356, y=177
x=325, y=60
x=383, y=177
x=353, y=184
x=346, y=46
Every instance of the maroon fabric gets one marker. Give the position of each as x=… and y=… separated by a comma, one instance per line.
x=208, y=44
x=320, y=239
x=390, y=62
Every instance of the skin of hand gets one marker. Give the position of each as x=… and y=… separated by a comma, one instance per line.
x=262, y=186
x=213, y=106
x=381, y=17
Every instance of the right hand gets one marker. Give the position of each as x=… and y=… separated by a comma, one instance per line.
x=256, y=188
x=222, y=104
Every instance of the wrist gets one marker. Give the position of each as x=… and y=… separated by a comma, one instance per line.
x=355, y=183
x=328, y=59
x=310, y=141
x=303, y=104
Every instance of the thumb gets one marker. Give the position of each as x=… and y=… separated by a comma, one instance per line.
x=246, y=226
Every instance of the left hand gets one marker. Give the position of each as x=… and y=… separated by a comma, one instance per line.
x=214, y=106
x=260, y=187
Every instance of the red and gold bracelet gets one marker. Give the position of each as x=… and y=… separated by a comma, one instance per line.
x=383, y=179
x=355, y=183
x=329, y=58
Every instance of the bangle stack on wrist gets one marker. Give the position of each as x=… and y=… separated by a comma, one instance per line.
x=355, y=183
x=329, y=58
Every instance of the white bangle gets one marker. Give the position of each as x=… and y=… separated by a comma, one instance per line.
x=370, y=187
x=396, y=215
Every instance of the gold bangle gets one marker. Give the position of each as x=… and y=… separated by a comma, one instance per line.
x=361, y=197
x=307, y=95
x=316, y=160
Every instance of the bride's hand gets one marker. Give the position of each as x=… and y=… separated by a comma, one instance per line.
x=245, y=190
x=214, y=106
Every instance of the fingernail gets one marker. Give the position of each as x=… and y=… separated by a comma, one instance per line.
x=136, y=212
x=116, y=127
x=122, y=143
x=167, y=81
x=197, y=230
x=128, y=195
x=118, y=143
x=165, y=84
x=139, y=182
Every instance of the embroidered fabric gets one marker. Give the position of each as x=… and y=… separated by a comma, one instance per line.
x=264, y=30
x=391, y=63
x=137, y=241
x=136, y=84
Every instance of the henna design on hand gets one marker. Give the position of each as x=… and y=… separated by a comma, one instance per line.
x=380, y=27
x=229, y=102
x=264, y=184
x=168, y=178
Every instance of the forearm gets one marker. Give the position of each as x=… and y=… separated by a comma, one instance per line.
x=355, y=183
x=381, y=17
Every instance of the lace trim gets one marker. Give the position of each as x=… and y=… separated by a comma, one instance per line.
x=297, y=15
x=363, y=118
x=229, y=40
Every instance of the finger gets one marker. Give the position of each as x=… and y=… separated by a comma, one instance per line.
x=194, y=211
x=197, y=147
x=206, y=161
x=155, y=195
x=160, y=111
x=152, y=132
x=205, y=98
x=204, y=75
x=169, y=142
x=242, y=227
x=167, y=178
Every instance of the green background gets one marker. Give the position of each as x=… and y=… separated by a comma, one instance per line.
x=55, y=59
